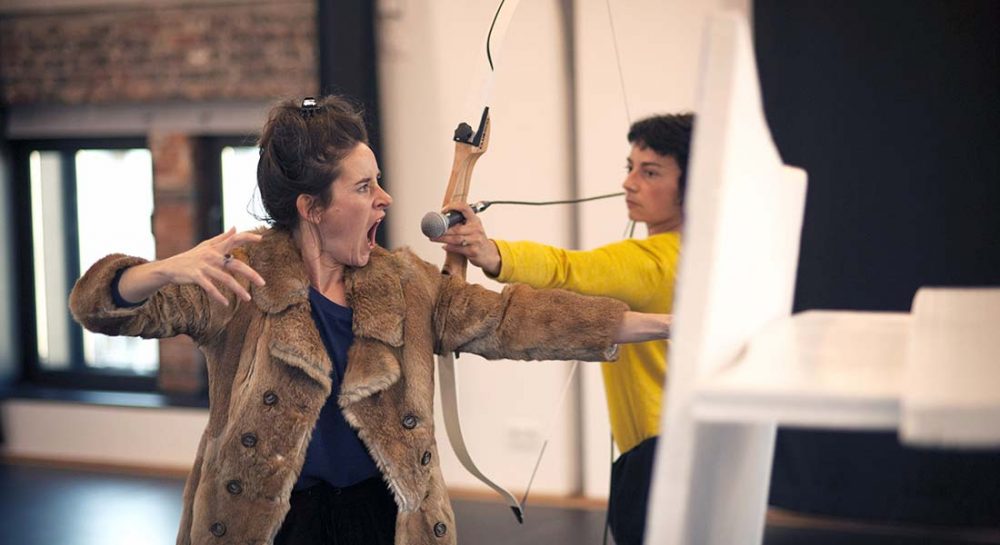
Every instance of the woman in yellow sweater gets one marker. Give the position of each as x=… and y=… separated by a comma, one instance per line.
x=639, y=272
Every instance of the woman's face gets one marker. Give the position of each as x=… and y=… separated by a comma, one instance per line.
x=651, y=188
x=348, y=225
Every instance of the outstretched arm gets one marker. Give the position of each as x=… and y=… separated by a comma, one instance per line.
x=640, y=273
x=177, y=294
x=524, y=323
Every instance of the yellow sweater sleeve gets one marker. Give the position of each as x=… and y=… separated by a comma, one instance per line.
x=639, y=272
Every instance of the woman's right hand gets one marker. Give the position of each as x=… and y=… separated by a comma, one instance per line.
x=469, y=239
x=206, y=265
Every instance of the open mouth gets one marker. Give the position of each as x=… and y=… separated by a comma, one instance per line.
x=371, y=233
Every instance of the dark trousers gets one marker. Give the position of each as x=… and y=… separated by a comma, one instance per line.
x=630, y=477
x=364, y=513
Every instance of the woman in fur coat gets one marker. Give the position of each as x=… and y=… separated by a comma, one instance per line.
x=320, y=347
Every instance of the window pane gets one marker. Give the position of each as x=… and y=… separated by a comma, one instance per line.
x=114, y=194
x=49, y=247
x=240, y=202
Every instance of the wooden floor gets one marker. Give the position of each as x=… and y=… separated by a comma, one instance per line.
x=57, y=506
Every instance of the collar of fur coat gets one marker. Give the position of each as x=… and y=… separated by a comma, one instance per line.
x=374, y=292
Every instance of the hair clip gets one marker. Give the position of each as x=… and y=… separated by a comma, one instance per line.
x=309, y=106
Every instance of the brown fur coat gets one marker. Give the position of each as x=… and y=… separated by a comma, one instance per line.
x=269, y=375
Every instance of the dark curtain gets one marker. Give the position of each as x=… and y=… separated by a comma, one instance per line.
x=893, y=107
x=348, y=65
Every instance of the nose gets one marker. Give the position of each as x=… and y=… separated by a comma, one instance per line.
x=628, y=184
x=384, y=199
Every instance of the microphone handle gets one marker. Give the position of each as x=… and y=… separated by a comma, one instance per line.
x=452, y=218
x=435, y=224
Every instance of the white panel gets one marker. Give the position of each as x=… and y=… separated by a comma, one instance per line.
x=819, y=369
x=950, y=394
x=737, y=274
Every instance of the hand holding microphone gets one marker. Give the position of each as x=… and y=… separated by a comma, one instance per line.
x=462, y=233
x=434, y=224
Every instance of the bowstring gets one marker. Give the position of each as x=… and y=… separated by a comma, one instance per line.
x=547, y=203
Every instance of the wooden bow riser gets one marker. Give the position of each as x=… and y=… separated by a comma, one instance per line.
x=466, y=155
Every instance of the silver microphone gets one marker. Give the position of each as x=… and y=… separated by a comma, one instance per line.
x=434, y=224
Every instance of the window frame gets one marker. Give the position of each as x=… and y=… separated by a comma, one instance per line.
x=212, y=192
x=79, y=375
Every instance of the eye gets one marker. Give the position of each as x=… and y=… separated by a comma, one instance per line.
x=650, y=173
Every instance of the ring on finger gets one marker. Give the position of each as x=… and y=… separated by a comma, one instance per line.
x=465, y=242
x=226, y=259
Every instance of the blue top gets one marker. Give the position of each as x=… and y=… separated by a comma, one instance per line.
x=335, y=454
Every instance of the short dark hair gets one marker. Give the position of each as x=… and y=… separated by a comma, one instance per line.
x=301, y=149
x=668, y=135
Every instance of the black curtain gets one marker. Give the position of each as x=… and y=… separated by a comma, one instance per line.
x=348, y=65
x=893, y=107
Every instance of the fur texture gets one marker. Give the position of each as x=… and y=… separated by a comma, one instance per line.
x=404, y=311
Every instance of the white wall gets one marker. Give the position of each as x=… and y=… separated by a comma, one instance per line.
x=428, y=52
x=155, y=438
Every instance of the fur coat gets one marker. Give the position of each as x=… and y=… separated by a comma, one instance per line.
x=269, y=375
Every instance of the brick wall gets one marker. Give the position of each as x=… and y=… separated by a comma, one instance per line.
x=83, y=54
x=174, y=226
x=142, y=54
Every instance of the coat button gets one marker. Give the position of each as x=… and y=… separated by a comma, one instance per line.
x=234, y=487
x=270, y=398
x=439, y=529
x=218, y=529
x=248, y=440
x=409, y=421
x=426, y=458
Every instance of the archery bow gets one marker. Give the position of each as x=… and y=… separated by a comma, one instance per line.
x=469, y=147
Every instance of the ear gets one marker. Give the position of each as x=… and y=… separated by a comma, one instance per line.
x=305, y=205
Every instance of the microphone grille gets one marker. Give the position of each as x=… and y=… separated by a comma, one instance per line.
x=433, y=225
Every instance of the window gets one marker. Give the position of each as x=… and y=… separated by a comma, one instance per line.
x=241, y=206
x=84, y=200
x=79, y=200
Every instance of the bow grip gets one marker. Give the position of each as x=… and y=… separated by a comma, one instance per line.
x=468, y=149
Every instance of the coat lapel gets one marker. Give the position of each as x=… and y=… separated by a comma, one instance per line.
x=375, y=294
x=285, y=298
x=295, y=341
